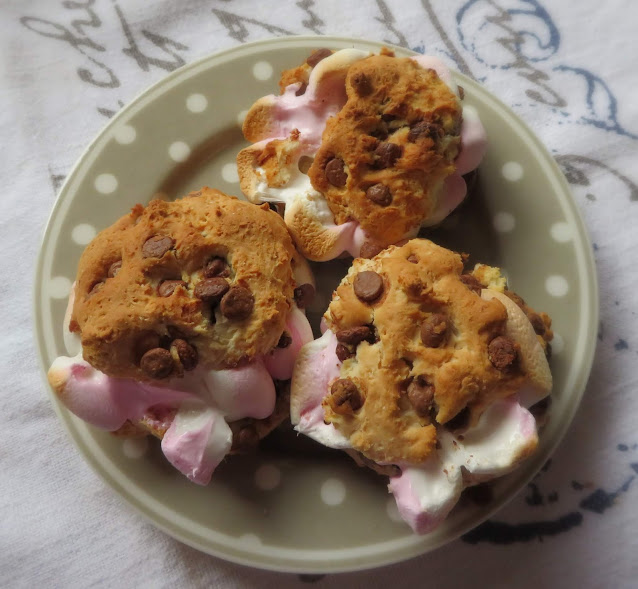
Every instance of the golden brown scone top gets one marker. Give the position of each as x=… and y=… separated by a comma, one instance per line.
x=385, y=155
x=434, y=353
x=207, y=278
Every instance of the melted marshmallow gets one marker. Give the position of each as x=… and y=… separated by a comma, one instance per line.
x=308, y=113
x=504, y=435
x=198, y=437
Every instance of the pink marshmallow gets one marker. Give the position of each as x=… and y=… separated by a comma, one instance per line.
x=238, y=392
x=197, y=441
x=312, y=378
x=108, y=402
x=281, y=361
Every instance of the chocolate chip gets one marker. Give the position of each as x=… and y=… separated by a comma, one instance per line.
x=379, y=194
x=421, y=395
x=318, y=55
x=237, y=303
x=381, y=131
x=167, y=287
x=461, y=92
x=186, y=353
x=460, y=421
x=369, y=249
x=157, y=246
x=387, y=154
x=345, y=396
x=302, y=89
x=413, y=259
x=424, y=130
x=157, y=363
x=335, y=174
x=304, y=295
x=361, y=84
x=472, y=283
x=434, y=330
x=502, y=352
x=211, y=290
x=368, y=286
x=246, y=439
x=114, y=268
x=537, y=323
x=343, y=352
x=354, y=335
x=216, y=267
x=285, y=340
x=304, y=164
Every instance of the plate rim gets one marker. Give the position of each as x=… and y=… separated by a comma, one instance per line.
x=589, y=285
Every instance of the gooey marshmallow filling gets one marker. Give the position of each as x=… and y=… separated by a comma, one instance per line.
x=308, y=113
x=425, y=493
x=198, y=436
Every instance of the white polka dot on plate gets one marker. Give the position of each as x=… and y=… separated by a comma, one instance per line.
x=241, y=117
x=250, y=540
x=333, y=492
x=558, y=343
x=135, y=448
x=267, y=477
x=59, y=287
x=561, y=232
x=83, y=233
x=512, y=171
x=262, y=70
x=179, y=151
x=504, y=222
x=556, y=285
x=196, y=103
x=229, y=173
x=392, y=510
x=125, y=134
x=105, y=183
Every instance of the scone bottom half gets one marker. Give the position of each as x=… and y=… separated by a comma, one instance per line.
x=362, y=150
x=189, y=315
x=428, y=373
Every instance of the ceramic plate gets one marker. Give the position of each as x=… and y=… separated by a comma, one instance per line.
x=294, y=506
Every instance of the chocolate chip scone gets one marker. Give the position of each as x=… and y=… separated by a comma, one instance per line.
x=420, y=362
x=362, y=149
x=384, y=157
x=178, y=283
x=188, y=316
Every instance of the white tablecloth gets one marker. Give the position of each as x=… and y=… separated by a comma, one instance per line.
x=567, y=68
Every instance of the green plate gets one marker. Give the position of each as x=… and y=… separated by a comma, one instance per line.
x=293, y=506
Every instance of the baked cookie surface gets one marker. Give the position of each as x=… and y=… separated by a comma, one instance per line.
x=384, y=156
x=206, y=280
x=362, y=150
x=424, y=345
